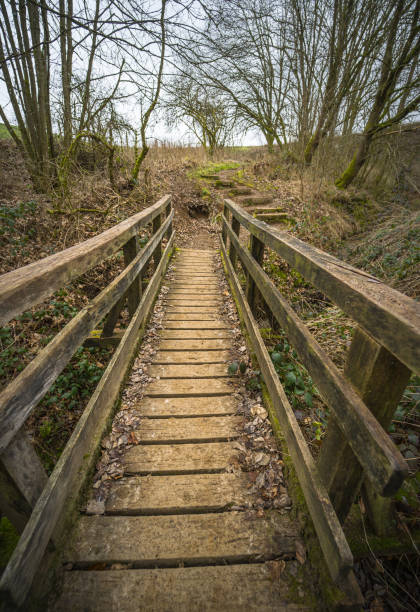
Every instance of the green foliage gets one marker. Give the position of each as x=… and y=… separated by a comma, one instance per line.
x=233, y=368
x=8, y=541
x=212, y=168
x=11, y=227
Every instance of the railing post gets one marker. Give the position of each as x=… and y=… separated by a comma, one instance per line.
x=157, y=253
x=22, y=479
x=130, y=250
x=252, y=293
x=380, y=379
x=236, y=227
x=167, y=213
x=224, y=230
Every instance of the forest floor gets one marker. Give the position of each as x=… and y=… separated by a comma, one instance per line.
x=375, y=231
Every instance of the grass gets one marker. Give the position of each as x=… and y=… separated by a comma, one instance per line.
x=4, y=133
x=213, y=168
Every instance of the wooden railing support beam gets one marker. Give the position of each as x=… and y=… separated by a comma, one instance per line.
x=224, y=232
x=236, y=227
x=157, y=254
x=253, y=295
x=130, y=250
x=380, y=379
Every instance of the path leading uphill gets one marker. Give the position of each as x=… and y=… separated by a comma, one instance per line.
x=180, y=519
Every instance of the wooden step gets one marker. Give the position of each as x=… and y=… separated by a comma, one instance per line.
x=195, y=345
x=269, y=217
x=192, y=292
x=197, y=334
x=255, y=200
x=198, y=286
x=195, y=386
x=193, y=539
x=241, y=190
x=255, y=210
x=191, y=430
x=192, y=302
x=156, y=407
x=229, y=588
x=182, y=494
x=196, y=324
x=207, y=316
x=179, y=458
x=187, y=309
x=194, y=278
x=215, y=370
x=221, y=183
x=191, y=357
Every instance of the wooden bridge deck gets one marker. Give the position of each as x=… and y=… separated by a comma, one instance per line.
x=171, y=518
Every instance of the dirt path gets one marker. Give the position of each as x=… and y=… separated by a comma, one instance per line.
x=185, y=522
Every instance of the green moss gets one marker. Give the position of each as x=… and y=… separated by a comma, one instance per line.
x=348, y=175
x=212, y=168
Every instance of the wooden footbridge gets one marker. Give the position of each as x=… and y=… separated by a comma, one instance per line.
x=175, y=534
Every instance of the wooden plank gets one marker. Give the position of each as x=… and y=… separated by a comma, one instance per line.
x=252, y=293
x=195, y=387
x=392, y=318
x=12, y=502
x=76, y=459
x=19, y=398
x=187, y=406
x=197, y=334
x=177, y=291
x=380, y=380
x=166, y=541
x=228, y=588
x=27, y=286
x=381, y=460
x=185, y=303
x=157, y=254
x=216, y=370
x=167, y=459
x=24, y=467
x=192, y=357
x=179, y=494
x=331, y=537
x=195, y=345
x=195, y=298
x=196, y=317
x=192, y=309
x=197, y=429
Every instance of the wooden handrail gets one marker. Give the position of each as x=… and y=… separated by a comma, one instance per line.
x=382, y=461
x=27, y=286
x=29, y=387
x=390, y=317
x=25, y=391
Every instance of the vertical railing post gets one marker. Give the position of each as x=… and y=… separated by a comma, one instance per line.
x=236, y=227
x=22, y=479
x=157, y=253
x=224, y=230
x=380, y=380
x=130, y=249
x=167, y=213
x=252, y=293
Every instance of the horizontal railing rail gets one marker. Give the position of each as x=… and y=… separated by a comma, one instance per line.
x=48, y=498
x=357, y=446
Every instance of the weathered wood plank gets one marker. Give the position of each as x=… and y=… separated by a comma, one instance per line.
x=200, y=325
x=76, y=459
x=19, y=398
x=169, y=459
x=190, y=310
x=196, y=334
x=380, y=380
x=196, y=387
x=24, y=467
x=176, y=291
x=179, y=494
x=228, y=588
x=191, y=357
x=166, y=541
x=197, y=429
x=187, y=406
x=376, y=452
x=392, y=318
x=186, y=303
x=217, y=370
x=130, y=250
x=27, y=286
x=196, y=298
x=195, y=345
x=191, y=316
x=331, y=537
